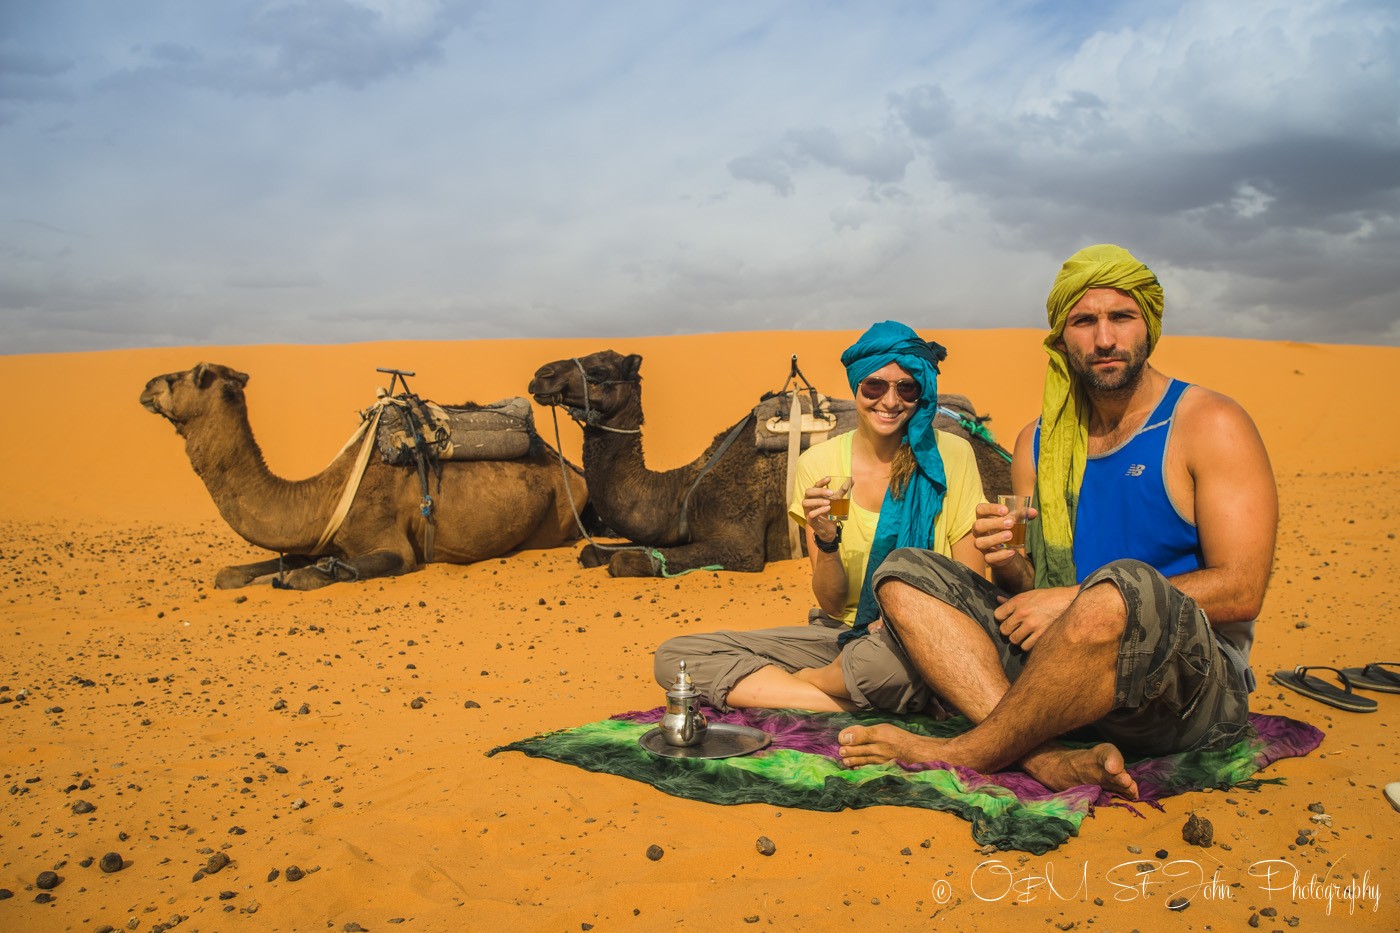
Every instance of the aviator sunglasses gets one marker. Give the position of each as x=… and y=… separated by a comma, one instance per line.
x=875, y=389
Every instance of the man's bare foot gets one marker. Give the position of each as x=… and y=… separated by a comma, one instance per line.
x=874, y=745
x=1060, y=768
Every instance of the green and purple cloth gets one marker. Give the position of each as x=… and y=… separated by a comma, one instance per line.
x=1008, y=810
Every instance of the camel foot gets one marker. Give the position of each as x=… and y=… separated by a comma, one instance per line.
x=632, y=564
x=592, y=556
x=231, y=578
x=1062, y=768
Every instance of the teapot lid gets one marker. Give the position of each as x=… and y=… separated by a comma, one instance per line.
x=683, y=687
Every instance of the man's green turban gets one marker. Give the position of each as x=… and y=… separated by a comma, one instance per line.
x=1063, y=430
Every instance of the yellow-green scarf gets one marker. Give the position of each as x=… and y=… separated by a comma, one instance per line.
x=1064, y=434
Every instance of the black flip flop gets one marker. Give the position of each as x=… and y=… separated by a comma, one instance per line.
x=1374, y=676
x=1320, y=690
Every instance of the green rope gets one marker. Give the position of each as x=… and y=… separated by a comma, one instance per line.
x=977, y=430
x=660, y=560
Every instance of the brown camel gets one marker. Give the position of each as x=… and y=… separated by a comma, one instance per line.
x=737, y=514
x=483, y=508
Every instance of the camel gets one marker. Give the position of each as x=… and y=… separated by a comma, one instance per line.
x=483, y=508
x=737, y=513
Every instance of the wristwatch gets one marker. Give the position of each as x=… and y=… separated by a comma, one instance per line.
x=829, y=547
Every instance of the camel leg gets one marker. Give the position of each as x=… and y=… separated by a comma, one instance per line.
x=231, y=578
x=726, y=554
x=362, y=567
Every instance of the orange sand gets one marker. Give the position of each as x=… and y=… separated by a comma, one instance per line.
x=109, y=545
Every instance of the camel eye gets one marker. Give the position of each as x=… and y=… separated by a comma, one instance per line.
x=597, y=374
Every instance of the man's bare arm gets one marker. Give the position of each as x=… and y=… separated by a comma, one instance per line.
x=1235, y=505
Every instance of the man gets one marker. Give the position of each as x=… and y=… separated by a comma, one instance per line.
x=1133, y=611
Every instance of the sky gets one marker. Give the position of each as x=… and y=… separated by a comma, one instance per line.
x=178, y=173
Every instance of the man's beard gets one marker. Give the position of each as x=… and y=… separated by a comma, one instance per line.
x=1102, y=383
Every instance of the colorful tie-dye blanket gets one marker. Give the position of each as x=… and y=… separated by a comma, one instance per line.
x=1009, y=810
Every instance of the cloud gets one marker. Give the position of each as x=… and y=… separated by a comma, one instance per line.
x=878, y=158
x=297, y=45
x=326, y=170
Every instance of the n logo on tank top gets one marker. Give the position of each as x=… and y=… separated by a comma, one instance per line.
x=1136, y=469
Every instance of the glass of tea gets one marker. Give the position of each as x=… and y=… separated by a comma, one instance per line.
x=839, y=490
x=1016, y=509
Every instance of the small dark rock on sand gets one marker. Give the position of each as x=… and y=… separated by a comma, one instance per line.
x=764, y=845
x=216, y=863
x=273, y=875
x=46, y=881
x=655, y=852
x=82, y=806
x=6, y=894
x=294, y=873
x=111, y=862
x=1178, y=903
x=1198, y=831
x=471, y=704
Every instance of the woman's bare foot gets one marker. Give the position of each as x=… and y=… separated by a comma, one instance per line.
x=877, y=744
x=1060, y=768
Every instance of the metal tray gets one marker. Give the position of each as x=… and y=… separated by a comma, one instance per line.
x=721, y=741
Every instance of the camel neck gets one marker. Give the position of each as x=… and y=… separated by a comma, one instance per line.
x=270, y=512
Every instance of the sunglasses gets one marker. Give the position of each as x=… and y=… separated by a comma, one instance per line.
x=875, y=389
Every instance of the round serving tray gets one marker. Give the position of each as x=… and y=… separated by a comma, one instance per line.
x=721, y=741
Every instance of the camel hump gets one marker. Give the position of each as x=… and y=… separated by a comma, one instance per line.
x=503, y=430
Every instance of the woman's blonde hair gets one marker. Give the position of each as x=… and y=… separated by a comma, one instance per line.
x=901, y=469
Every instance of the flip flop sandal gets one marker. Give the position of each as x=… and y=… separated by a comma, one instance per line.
x=1375, y=677
x=1320, y=690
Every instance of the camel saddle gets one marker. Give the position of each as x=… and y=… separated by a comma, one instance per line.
x=500, y=431
x=822, y=417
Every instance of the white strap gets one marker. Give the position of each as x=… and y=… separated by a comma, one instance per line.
x=794, y=448
x=370, y=430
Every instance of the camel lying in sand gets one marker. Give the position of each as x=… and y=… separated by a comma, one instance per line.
x=736, y=515
x=483, y=508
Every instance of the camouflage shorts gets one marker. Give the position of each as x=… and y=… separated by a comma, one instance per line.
x=1176, y=690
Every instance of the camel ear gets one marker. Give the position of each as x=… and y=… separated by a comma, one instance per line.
x=236, y=376
x=630, y=365
x=200, y=375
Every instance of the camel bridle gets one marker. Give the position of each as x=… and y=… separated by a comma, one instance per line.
x=588, y=416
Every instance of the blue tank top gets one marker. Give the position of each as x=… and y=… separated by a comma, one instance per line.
x=1130, y=481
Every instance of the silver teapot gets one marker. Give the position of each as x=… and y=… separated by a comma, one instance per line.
x=683, y=725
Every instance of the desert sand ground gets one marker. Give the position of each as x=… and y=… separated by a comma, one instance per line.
x=279, y=729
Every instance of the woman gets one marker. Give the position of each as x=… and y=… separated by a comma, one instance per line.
x=914, y=487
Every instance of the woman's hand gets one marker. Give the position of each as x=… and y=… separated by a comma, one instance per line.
x=816, y=504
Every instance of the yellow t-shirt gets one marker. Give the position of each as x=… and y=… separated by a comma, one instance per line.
x=833, y=457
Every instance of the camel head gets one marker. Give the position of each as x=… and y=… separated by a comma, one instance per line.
x=589, y=387
x=182, y=397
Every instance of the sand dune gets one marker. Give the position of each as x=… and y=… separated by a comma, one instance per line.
x=280, y=729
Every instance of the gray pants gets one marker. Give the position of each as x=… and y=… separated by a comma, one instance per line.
x=877, y=673
x=1175, y=688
